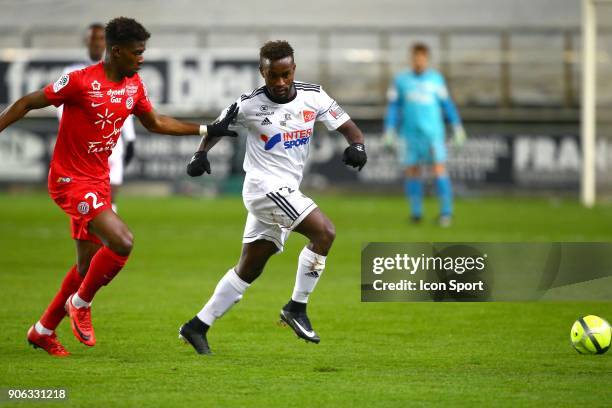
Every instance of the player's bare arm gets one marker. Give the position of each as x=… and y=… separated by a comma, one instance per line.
x=355, y=154
x=17, y=110
x=156, y=123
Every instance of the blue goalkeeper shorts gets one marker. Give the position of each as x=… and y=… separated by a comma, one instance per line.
x=423, y=150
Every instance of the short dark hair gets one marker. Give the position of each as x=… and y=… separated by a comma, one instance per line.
x=123, y=30
x=420, y=47
x=275, y=50
x=94, y=26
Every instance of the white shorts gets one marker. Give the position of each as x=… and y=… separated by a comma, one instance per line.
x=115, y=164
x=273, y=216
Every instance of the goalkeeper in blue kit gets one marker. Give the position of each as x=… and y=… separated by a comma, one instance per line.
x=419, y=103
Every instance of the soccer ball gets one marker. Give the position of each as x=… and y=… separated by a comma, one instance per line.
x=591, y=335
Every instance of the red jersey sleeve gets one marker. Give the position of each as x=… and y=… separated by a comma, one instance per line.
x=143, y=105
x=64, y=89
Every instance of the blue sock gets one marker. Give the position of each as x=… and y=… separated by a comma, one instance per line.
x=414, y=193
x=445, y=193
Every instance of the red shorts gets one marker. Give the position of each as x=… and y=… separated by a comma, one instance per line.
x=82, y=201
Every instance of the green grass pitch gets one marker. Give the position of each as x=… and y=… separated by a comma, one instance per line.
x=403, y=354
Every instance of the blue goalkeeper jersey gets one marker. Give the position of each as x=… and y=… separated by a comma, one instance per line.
x=418, y=105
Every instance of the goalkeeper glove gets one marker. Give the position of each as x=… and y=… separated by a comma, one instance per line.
x=220, y=128
x=129, y=153
x=198, y=164
x=355, y=155
x=459, y=136
x=390, y=139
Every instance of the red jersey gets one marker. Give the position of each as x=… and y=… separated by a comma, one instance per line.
x=94, y=111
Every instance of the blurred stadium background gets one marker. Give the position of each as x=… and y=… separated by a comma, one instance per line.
x=514, y=69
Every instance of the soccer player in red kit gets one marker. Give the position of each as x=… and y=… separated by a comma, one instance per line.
x=97, y=100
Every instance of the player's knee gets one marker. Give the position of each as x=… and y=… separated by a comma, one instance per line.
x=123, y=243
x=248, y=274
x=439, y=170
x=413, y=171
x=327, y=235
x=330, y=232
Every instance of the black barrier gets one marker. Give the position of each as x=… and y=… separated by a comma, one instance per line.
x=487, y=160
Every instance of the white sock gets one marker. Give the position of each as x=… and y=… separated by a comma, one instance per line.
x=114, y=207
x=229, y=290
x=309, y=271
x=78, y=302
x=40, y=329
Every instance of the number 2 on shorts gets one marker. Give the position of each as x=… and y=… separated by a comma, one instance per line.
x=94, y=200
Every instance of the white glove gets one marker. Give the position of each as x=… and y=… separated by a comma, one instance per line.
x=390, y=139
x=459, y=136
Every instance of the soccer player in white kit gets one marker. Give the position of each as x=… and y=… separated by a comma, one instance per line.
x=124, y=150
x=277, y=121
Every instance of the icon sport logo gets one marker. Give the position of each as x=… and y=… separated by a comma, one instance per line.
x=290, y=139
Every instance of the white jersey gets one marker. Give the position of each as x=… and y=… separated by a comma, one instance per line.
x=278, y=135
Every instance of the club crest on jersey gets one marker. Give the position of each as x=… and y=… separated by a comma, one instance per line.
x=294, y=138
x=95, y=85
x=83, y=207
x=308, y=115
x=129, y=102
x=131, y=90
x=60, y=83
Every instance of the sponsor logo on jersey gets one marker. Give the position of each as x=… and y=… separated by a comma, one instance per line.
x=266, y=122
x=99, y=147
x=296, y=138
x=63, y=180
x=308, y=115
x=95, y=85
x=270, y=142
x=60, y=83
x=336, y=111
x=265, y=111
x=291, y=139
x=83, y=207
x=129, y=102
x=116, y=92
x=105, y=118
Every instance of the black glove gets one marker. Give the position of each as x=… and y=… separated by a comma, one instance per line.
x=219, y=128
x=198, y=165
x=355, y=155
x=129, y=153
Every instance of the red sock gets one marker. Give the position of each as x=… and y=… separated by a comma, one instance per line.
x=55, y=311
x=104, y=266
